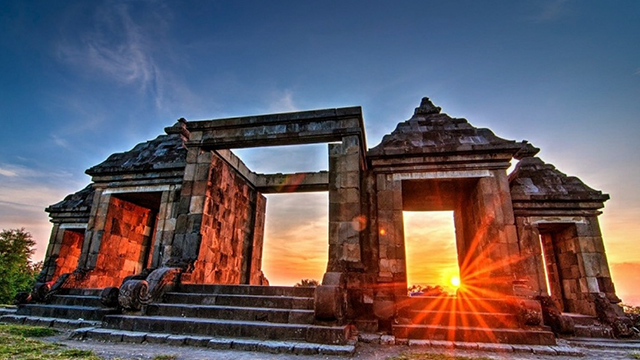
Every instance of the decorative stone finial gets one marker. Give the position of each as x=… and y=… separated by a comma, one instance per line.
x=180, y=127
x=427, y=107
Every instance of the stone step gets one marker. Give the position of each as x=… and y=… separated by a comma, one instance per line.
x=462, y=318
x=475, y=334
x=47, y=321
x=77, y=300
x=580, y=319
x=593, y=331
x=8, y=310
x=81, y=291
x=452, y=303
x=248, y=290
x=65, y=311
x=337, y=335
x=218, y=343
x=265, y=301
x=274, y=315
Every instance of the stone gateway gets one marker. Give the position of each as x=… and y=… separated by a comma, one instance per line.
x=168, y=237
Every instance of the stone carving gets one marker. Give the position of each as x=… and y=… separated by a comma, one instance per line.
x=134, y=293
x=528, y=311
x=42, y=292
x=109, y=296
x=553, y=317
x=612, y=315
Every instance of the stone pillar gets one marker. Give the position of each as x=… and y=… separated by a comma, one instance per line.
x=257, y=277
x=583, y=266
x=166, y=226
x=187, y=236
x=95, y=230
x=345, y=169
x=51, y=257
x=530, y=268
x=491, y=245
x=390, y=232
x=593, y=259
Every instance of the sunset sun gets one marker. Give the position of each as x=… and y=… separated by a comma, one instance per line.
x=455, y=281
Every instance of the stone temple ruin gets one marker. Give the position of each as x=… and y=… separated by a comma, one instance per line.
x=168, y=238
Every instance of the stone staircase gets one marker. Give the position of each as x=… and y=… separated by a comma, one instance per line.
x=70, y=304
x=589, y=327
x=447, y=318
x=234, y=311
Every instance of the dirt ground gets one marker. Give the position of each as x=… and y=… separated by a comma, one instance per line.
x=109, y=350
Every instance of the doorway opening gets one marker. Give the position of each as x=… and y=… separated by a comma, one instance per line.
x=557, y=242
x=431, y=252
x=296, y=237
x=129, y=233
x=70, y=249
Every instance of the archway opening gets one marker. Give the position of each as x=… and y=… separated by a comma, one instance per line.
x=431, y=252
x=296, y=237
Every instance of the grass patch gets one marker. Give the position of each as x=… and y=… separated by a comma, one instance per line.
x=17, y=342
x=165, y=357
x=635, y=355
x=27, y=331
x=428, y=356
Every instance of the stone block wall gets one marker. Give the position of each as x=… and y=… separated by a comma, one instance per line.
x=124, y=246
x=486, y=237
x=256, y=275
x=69, y=252
x=63, y=252
x=226, y=226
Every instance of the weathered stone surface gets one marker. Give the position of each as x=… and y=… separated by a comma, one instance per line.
x=184, y=200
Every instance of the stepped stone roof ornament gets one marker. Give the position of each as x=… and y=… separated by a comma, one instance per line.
x=79, y=201
x=163, y=152
x=431, y=132
x=533, y=179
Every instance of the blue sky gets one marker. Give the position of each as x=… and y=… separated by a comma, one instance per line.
x=80, y=80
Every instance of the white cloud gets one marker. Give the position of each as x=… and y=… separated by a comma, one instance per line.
x=7, y=172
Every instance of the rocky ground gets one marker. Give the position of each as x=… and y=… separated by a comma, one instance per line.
x=600, y=350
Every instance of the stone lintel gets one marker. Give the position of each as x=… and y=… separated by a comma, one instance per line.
x=295, y=182
x=556, y=212
x=153, y=177
x=72, y=226
x=541, y=220
x=305, y=127
x=69, y=219
x=462, y=174
x=561, y=206
x=298, y=116
x=137, y=189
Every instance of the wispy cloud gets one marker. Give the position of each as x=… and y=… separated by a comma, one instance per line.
x=551, y=10
x=637, y=71
x=24, y=194
x=7, y=172
x=127, y=50
x=282, y=101
x=116, y=47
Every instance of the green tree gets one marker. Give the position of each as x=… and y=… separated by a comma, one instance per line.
x=17, y=272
